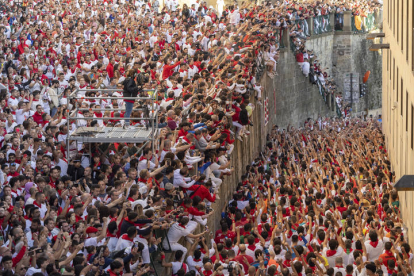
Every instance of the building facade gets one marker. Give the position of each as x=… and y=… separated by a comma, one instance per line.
x=398, y=96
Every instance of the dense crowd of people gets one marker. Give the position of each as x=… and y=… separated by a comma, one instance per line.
x=304, y=206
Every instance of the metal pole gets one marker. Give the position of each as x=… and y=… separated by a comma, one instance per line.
x=101, y=90
x=155, y=128
x=68, y=135
x=108, y=109
x=108, y=118
x=115, y=98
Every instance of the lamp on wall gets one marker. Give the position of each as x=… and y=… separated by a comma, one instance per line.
x=372, y=36
x=377, y=47
x=405, y=183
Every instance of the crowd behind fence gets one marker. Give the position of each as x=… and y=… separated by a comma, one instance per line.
x=323, y=24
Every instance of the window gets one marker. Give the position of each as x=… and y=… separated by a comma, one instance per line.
x=388, y=61
x=407, y=34
x=412, y=36
x=394, y=9
x=393, y=74
x=396, y=81
x=402, y=25
x=397, y=23
x=412, y=126
x=402, y=99
x=406, y=110
x=389, y=14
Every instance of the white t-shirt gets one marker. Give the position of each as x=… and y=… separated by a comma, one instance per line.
x=305, y=68
x=374, y=252
x=175, y=233
x=22, y=116
x=331, y=259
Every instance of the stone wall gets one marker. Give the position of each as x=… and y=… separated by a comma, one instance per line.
x=343, y=53
x=363, y=60
x=323, y=48
x=296, y=98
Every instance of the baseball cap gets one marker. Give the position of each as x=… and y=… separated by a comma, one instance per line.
x=91, y=229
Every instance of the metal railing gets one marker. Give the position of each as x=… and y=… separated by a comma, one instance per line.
x=105, y=134
x=322, y=91
x=338, y=110
x=325, y=93
x=339, y=22
x=278, y=37
x=304, y=26
x=363, y=24
x=322, y=24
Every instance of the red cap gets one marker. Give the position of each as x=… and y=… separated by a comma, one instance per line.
x=91, y=229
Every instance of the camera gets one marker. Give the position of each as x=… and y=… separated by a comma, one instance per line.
x=230, y=268
x=142, y=79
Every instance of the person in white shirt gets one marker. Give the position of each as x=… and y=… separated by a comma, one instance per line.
x=333, y=252
x=305, y=67
x=374, y=246
x=92, y=238
x=234, y=17
x=24, y=111
x=194, y=256
x=87, y=65
x=180, y=179
x=14, y=100
x=251, y=247
x=339, y=268
x=112, y=239
x=41, y=203
x=127, y=239
x=144, y=235
x=145, y=161
x=176, y=265
x=176, y=232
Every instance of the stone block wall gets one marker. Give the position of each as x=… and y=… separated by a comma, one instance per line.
x=346, y=52
x=296, y=98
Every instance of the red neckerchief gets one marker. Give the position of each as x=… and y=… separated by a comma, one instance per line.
x=127, y=220
x=330, y=253
x=142, y=180
x=286, y=263
x=391, y=271
x=125, y=237
x=373, y=244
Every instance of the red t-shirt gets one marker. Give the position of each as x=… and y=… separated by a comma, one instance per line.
x=220, y=237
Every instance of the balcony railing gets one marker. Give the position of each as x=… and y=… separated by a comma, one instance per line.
x=363, y=24
x=322, y=24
